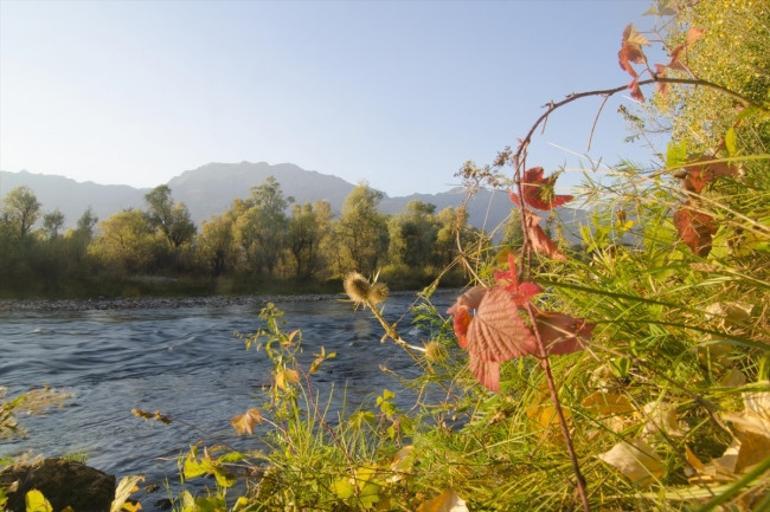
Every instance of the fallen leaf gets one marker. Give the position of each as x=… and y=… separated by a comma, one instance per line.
x=245, y=423
x=661, y=417
x=636, y=460
x=447, y=501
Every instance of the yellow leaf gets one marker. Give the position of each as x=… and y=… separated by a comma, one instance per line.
x=34, y=501
x=636, y=460
x=661, y=417
x=447, y=501
x=286, y=377
x=402, y=463
x=244, y=423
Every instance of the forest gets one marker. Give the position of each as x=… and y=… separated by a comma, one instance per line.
x=264, y=242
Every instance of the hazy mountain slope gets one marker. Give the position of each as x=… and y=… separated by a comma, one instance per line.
x=210, y=189
x=73, y=197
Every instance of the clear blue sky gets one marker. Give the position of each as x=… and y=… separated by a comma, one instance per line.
x=395, y=93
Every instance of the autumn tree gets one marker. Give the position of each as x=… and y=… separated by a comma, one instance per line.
x=171, y=218
x=215, y=244
x=127, y=242
x=52, y=224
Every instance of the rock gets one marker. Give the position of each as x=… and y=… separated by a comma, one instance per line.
x=63, y=482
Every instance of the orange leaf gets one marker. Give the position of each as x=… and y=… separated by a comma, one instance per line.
x=520, y=292
x=244, y=423
x=486, y=372
x=631, y=50
x=562, y=334
x=636, y=91
x=696, y=229
x=461, y=311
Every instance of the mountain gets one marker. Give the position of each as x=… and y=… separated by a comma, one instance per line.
x=210, y=189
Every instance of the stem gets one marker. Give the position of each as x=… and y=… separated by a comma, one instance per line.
x=544, y=362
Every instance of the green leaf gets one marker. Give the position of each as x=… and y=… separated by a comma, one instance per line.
x=342, y=488
x=731, y=142
x=36, y=502
x=676, y=155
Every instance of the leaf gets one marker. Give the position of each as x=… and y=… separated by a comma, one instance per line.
x=343, y=488
x=126, y=487
x=676, y=155
x=244, y=423
x=752, y=429
x=696, y=229
x=497, y=333
x=520, y=292
x=486, y=372
x=462, y=310
x=661, y=417
x=541, y=243
x=538, y=191
x=636, y=91
x=636, y=460
x=285, y=377
x=562, y=334
x=731, y=142
x=34, y=501
x=631, y=50
x=447, y=501
x=699, y=174
x=693, y=34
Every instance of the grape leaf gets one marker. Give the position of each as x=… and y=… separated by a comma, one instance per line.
x=541, y=243
x=562, y=334
x=538, y=191
x=696, y=229
x=497, y=333
x=245, y=423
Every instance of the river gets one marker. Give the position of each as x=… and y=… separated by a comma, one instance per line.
x=182, y=360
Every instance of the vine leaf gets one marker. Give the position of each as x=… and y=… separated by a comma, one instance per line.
x=562, y=334
x=509, y=279
x=461, y=312
x=699, y=174
x=540, y=241
x=696, y=229
x=538, y=191
x=693, y=34
x=631, y=50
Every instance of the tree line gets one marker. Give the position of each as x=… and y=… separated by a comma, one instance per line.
x=266, y=236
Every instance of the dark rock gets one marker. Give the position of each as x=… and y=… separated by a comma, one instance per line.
x=64, y=483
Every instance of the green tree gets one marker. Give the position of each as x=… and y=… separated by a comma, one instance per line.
x=171, y=218
x=21, y=209
x=127, y=242
x=308, y=228
x=413, y=235
x=260, y=230
x=215, y=244
x=52, y=224
x=362, y=231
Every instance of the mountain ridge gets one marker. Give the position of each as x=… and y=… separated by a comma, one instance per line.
x=210, y=189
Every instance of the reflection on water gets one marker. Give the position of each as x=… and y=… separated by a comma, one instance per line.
x=184, y=362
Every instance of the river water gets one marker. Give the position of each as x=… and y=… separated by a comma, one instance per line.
x=183, y=361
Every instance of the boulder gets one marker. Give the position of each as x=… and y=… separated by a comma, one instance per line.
x=63, y=482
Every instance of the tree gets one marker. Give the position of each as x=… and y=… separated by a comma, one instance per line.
x=308, y=228
x=261, y=228
x=513, y=235
x=52, y=223
x=127, y=242
x=21, y=209
x=86, y=224
x=362, y=231
x=413, y=235
x=171, y=218
x=215, y=243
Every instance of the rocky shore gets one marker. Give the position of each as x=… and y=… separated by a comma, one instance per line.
x=103, y=304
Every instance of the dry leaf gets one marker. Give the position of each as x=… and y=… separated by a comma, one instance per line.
x=126, y=487
x=245, y=423
x=661, y=417
x=636, y=460
x=631, y=50
x=541, y=244
x=447, y=501
x=696, y=229
x=562, y=334
x=284, y=378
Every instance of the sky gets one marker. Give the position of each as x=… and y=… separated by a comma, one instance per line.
x=398, y=94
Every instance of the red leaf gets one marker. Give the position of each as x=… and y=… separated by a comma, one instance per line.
x=497, y=333
x=696, y=229
x=636, y=91
x=486, y=372
x=541, y=244
x=538, y=191
x=698, y=175
x=520, y=293
x=631, y=50
x=461, y=311
x=562, y=334
x=692, y=35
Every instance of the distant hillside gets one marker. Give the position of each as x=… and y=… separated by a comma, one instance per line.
x=210, y=189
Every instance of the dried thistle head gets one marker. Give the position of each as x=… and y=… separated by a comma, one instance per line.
x=378, y=293
x=434, y=352
x=357, y=287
